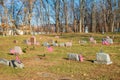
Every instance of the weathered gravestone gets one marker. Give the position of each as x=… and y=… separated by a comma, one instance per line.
x=103, y=58
x=68, y=44
x=72, y=56
x=62, y=44
x=11, y=63
x=46, y=44
x=4, y=61
x=33, y=40
x=86, y=29
x=92, y=40
x=15, y=64
x=55, y=44
x=82, y=42
x=18, y=50
x=109, y=40
x=27, y=42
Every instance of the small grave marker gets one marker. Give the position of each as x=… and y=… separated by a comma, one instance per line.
x=18, y=50
x=33, y=40
x=103, y=58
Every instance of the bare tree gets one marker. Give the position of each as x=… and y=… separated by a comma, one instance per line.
x=82, y=9
x=57, y=9
x=65, y=15
x=93, y=17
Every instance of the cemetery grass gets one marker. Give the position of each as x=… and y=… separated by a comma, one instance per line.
x=55, y=65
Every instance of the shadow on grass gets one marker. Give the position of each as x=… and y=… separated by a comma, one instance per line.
x=10, y=54
x=66, y=58
x=42, y=56
x=91, y=61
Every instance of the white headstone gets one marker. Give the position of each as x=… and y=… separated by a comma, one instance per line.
x=27, y=42
x=72, y=56
x=18, y=50
x=110, y=41
x=45, y=44
x=82, y=42
x=15, y=64
x=103, y=58
x=55, y=44
x=92, y=40
x=86, y=29
x=4, y=61
x=19, y=65
x=68, y=44
x=62, y=44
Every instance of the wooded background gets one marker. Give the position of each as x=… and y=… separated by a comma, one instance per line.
x=60, y=15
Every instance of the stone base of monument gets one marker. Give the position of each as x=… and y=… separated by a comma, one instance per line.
x=102, y=62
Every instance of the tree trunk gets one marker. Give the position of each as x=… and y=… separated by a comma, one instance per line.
x=57, y=9
x=65, y=15
x=94, y=19
x=81, y=21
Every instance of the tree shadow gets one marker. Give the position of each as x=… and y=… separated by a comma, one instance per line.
x=66, y=58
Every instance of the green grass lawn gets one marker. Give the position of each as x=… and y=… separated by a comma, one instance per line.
x=55, y=66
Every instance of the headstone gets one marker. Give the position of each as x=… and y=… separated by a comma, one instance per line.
x=72, y=56
x=33, y=40
x=18, y=50
x=86, y=29
x=45, y=44
x=19, y=65
x=55, y=44
x=92, y=40
x=103, y=58
x=103, y=32
x=15, y=64
x=109, y=40
x=11, y=63
x=82, y=42
x=116, y=30
x=34, y=33
x=68, y=44
x=4, y=61
x=62, y=44
x=28, y=42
